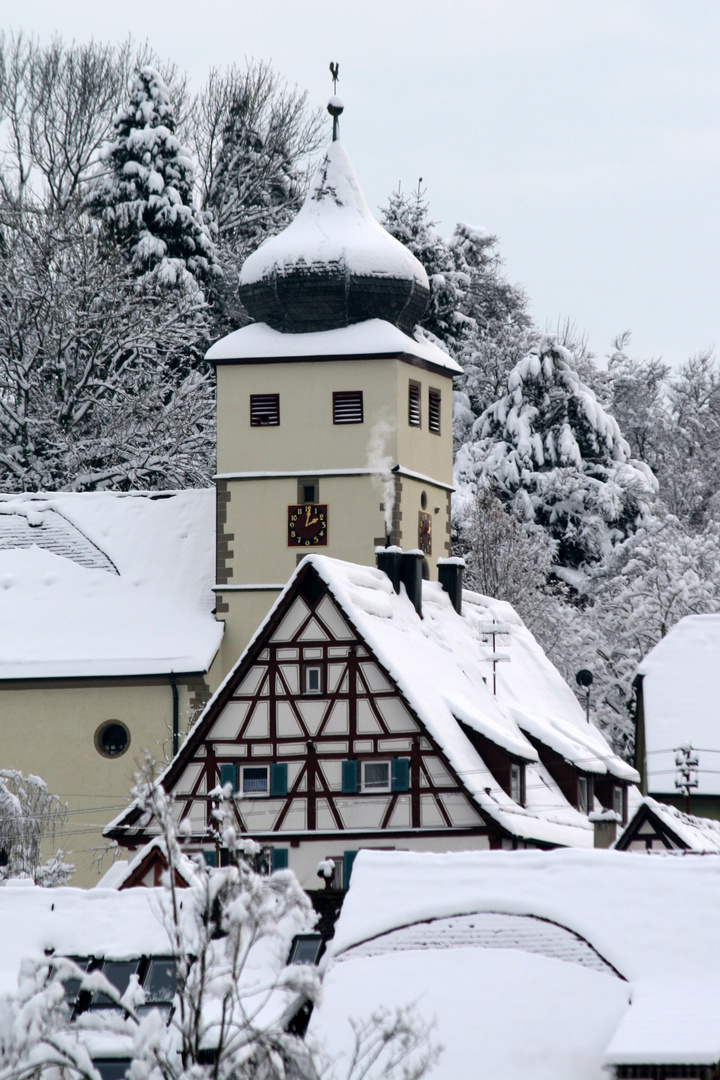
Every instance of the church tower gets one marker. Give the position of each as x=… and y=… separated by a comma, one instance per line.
x=334, y=421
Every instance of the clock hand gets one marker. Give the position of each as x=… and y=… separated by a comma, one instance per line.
x=308, y=519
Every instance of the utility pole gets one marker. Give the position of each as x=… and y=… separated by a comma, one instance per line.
x=686, y=762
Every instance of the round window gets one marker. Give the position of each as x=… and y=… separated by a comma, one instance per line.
x=423, y=500
x=112, y=739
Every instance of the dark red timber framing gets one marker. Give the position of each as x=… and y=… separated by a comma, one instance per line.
x=322, y=727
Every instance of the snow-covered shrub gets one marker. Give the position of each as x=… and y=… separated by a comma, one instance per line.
x=229, y=933
x=29, y=819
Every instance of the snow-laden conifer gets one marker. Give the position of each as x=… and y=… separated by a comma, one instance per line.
x=556, y=456
x=144, y=194
x=474, y=312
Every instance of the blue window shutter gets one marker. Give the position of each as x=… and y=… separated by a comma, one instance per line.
x=348, y=860
x=228, y=775
x=401, y=774
x=278, y=779
x=279, y=858
x=349, y=777
x=210, y=858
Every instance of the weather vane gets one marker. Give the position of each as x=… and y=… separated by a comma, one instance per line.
x=335, y=105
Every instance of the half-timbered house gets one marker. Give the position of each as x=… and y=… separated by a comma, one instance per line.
x=655, y=826
x=368, y=711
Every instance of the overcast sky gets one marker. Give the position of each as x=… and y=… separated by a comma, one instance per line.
x=585, y=135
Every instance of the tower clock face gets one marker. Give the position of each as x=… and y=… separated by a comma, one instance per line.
x=307, y=525
x=425, y=533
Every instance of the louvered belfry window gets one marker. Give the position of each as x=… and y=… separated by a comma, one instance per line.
x=264, y=410
x=347, y=407
x=414, y=404
x=434, y=411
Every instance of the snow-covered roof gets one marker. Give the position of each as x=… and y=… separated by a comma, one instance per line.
x=700, y=834
x=334, y=226
x=443, y=666
x=374, y=337
x=107, y=584
x=520, y=997
x=681, y=703
x=76, y=922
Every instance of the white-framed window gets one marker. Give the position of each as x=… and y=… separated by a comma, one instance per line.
x=583, y=795
x=516, y=782
x=312, y=679
x=618, y=801
x=254, y=780
x=376, y=776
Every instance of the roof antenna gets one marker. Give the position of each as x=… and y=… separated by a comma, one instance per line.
x=335, y=105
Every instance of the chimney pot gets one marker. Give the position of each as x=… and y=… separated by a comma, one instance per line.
x=388, y=560
x=450, y=575
x=411, y=563
x=605, y=825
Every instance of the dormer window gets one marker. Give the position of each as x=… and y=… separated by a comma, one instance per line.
x=264, y=410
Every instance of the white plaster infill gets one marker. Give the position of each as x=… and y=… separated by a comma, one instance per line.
x=398, y=470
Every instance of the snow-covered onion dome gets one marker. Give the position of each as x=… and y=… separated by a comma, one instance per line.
x=334, y=264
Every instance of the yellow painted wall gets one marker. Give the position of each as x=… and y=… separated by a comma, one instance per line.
x=306, y=438
x=49, y=728
x=305, y=443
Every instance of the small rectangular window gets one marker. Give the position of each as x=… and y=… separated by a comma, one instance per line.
x=434, y=411
x=308, y=490
x=618, y=802
x=160, y=982
x=305, y=949
x=255, y=779
x=264, y=410
x=313, y=679
x=583, y=802
x=376, y=776
x=117, y=972
x=414, y=404
x=347, y=407
x=516, y=783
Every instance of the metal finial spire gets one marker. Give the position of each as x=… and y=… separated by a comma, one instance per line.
x=335, y=105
